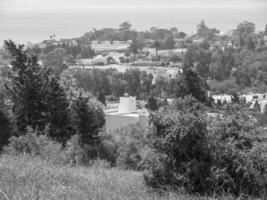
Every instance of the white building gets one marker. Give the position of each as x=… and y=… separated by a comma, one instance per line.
x=223, y=98
x=127, y=105
x=124, y=114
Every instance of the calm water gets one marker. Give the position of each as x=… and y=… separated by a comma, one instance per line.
x=37, y=25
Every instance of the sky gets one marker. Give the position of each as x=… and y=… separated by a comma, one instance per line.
x=72, y=4
x=35, y=20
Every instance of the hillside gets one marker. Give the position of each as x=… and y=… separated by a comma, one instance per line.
x=32, y=178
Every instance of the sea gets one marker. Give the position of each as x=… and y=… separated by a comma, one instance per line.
x=36, y=25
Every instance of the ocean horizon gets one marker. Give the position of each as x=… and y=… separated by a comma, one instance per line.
x=34, y=25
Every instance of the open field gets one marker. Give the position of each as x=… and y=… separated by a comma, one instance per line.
x=31, y=179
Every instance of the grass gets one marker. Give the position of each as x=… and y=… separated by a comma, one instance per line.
x=25, y=178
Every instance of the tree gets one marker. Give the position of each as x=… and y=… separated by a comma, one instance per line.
x=226, y=153
x=38, y=99
x=189, y=83
x=178, y=137
x=132, y=78
x=156, y=46
x=199, y=57
x=87, y=118
x=238, y=153
x=101, y=98
x=58, y=117
x=217, y=67
x=204, y=31
x=134, y=46
x=202, y=28
x=256, y=106
x=125, y=32
x=29, y=81
x=152, y=104
x=5, y=128
x=55, y=60
x=245, y=34
x=125, y=26
x=169, y=41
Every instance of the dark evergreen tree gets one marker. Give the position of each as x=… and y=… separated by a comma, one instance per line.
x=58, y=112
x=101, y=98
x=256, y=106
x=27, y=90
x=87, y=120
x=189, y=83
x=5, y=128
x=152, y=104
x=156, y=46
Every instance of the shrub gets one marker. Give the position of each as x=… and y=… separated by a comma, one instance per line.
x=226, y=155
x=180, y=154
x=76, y=154
x=35, y=145
x=223, y=87
x=129, y=156
x=131, y=144
x=107, y=150
x=72, y=154
x=238, y=153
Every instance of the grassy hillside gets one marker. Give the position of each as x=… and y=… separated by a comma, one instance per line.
x=32, y=179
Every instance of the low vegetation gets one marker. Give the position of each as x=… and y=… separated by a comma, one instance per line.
x=25, y=177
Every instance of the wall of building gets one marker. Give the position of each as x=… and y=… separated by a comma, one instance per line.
x=114, y=122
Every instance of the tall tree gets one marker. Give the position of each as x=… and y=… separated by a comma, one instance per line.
x=156, y=46
x=169, y=41
x=87, y=120
x=27, y=90
x=58, y=111
x=5, y=128
x=245, y=34
x=125, y=26
x=55, y=60
x=189, y=83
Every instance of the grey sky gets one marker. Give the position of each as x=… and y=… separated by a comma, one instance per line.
x=55, y=4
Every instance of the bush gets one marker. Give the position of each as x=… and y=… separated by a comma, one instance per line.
x=180, y=156
x=227, y=155
x=76, y=154
x=35, y=145
x=223, y=87
x=131, y=145
x=72, y=154
x=238, y=153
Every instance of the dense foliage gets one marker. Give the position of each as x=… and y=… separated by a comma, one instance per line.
x=178, y=137
x=87, y=119
x=225, y=155
x=5, y=128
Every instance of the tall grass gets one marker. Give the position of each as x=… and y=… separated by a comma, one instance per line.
x=27, y=178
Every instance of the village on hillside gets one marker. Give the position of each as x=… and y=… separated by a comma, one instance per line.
x=161, y=54
x=133, y=100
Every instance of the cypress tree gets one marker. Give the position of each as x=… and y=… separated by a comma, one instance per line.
x=58, y=112
x=87, y=120
x=27, y=90
x=5, y=128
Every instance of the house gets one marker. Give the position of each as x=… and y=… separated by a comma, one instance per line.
x=265, y=39
x=198, y=41
x=124, y=113
x=222, y=98
x=101, y=46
